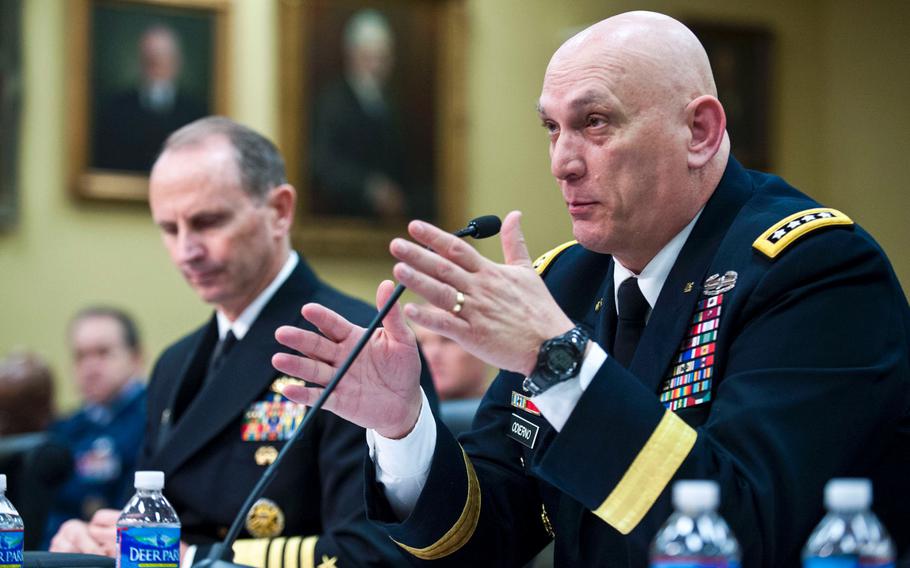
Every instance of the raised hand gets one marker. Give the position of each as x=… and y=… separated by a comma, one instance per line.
x=381, y=390
x=507, y=311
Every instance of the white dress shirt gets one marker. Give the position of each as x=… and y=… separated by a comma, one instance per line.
x=247, y=317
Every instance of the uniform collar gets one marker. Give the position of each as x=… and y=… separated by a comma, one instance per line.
x=652, y=278
x=242, y=324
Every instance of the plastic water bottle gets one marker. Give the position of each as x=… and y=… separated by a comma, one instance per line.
x=12, y=531
x=850, y=535
x=695, y=536
x=148, y=530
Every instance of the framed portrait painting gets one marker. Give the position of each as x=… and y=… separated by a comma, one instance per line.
x=372, y=107
x=740, y=58
x=139, y=69
x=10, y=107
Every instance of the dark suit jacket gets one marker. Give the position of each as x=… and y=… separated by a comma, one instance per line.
x=800, y=375
x=348, y=145
x=128, y=136
x=209, y=468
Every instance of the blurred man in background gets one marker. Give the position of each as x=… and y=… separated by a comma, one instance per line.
x=457, y=375
x=460, y=378
x=26, y=394
x=34, y=463
x=106, y=433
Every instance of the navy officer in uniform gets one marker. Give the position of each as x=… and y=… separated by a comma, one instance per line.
x=710, y=322
x=216, y=418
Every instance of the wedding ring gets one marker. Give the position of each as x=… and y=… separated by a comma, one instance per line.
x=459, y=302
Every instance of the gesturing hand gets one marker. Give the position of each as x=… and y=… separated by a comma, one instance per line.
x=382, y=388
x=507, y=310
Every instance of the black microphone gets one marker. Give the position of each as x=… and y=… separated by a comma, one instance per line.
x=481, y=227
x=478, y=228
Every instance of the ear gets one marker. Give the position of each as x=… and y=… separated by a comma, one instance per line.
x=707, y=124
x=283, y=200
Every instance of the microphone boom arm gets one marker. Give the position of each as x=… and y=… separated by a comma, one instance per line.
x=479, y=228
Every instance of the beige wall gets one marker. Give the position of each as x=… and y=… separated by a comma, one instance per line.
x=841, y=123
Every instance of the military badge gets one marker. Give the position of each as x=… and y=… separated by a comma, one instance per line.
x=717, y=284
x=689, y=379
x=524, y=403
x=281, y=382
x=271, y=420
x=328, y=562
x=266, y=455
x=265, y=519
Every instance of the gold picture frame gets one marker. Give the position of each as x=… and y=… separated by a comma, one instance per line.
x=114, y=128
x=427, y=89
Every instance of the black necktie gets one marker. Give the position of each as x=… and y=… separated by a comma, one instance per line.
x=192, y=384
x=633, y=310
x=219, y=354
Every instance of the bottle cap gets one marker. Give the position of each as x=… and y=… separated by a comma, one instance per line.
x=844, y=494
x=153, y=480
x=696, y=495
x=2, y=482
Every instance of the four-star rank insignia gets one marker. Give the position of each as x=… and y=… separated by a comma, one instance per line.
x=783, y=233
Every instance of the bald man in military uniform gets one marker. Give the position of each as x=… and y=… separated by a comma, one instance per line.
x=711, y=322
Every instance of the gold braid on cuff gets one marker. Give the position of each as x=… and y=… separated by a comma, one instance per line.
x=459, y=302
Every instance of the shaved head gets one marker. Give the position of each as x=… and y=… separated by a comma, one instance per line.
x=637, y=136
x=659, y=54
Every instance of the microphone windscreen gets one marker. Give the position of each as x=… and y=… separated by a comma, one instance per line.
x=485, y=226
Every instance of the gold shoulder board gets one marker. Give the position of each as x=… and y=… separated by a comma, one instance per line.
x=543, y=261
x=783, y=233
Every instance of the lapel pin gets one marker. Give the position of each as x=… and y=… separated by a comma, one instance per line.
x=599, y=304
x=688, y=287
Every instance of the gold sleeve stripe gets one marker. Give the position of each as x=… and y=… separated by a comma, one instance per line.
x=463, y=529
x=251, y=551
x=276, y=552
x=292, y=552
x=543, y=261
x=650, y=472
x=308, y=552
x=783, y=233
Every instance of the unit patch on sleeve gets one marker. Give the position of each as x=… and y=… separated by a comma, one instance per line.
x=689, y=380
x=783, y=233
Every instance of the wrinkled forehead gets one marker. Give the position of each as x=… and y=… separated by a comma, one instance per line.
x=590, y=74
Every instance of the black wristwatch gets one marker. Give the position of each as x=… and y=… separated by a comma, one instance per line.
x=559, y=360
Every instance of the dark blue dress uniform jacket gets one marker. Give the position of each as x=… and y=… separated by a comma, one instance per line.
x=107, y=451
x=809, y=380
x=209, y=469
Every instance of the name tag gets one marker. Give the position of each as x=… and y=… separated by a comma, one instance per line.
x=523, y=431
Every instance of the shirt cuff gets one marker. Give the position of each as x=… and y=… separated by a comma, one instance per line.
x=557, y=403
x=402, y=466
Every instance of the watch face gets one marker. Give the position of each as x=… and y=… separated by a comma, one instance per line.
x=561, y=359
